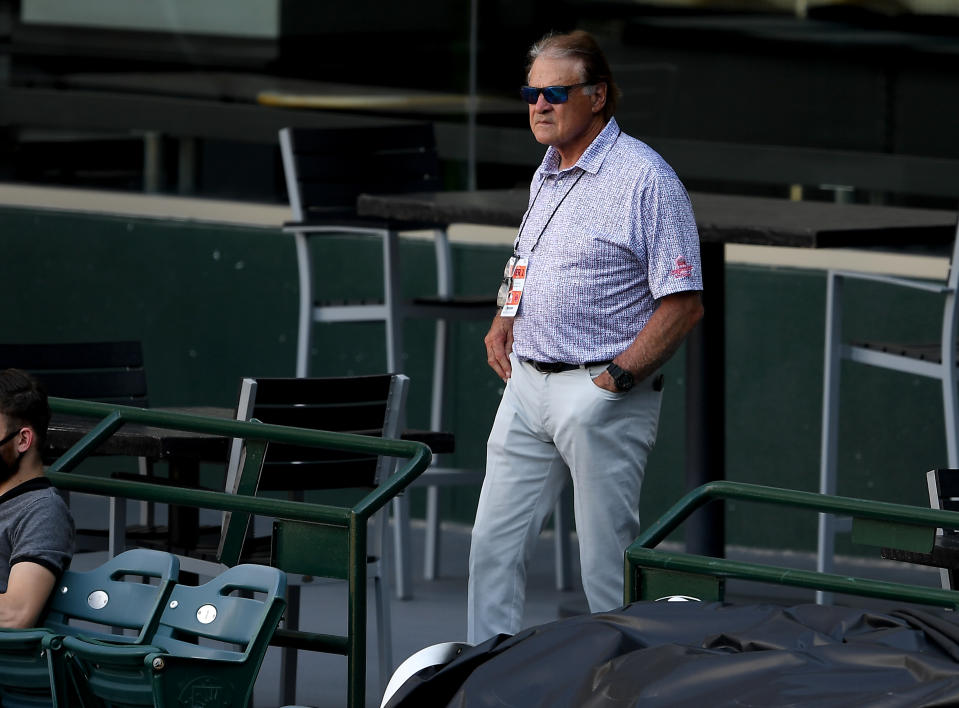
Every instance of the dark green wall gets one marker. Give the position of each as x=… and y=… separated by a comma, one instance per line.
x=891, y=429
x=212, y=303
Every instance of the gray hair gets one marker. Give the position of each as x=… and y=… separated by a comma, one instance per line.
x=594, y=68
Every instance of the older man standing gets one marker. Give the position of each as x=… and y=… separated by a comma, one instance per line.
x=603, y=287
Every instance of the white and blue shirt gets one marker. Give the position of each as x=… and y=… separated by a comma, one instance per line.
x=606, y=238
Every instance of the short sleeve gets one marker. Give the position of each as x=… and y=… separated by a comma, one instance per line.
x=670, y=235
x=44, y=534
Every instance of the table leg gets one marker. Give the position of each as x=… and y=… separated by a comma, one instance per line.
x=706, y=406
x=184, y=521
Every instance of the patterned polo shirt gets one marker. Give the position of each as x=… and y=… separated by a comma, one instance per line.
x=606, y=238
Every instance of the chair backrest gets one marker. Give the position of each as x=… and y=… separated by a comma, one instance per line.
x=364, y=405
x=241, y=606
x=207, y=650
x=91, y=603
x=326, y=169
x=110, y=372
x=118, y=593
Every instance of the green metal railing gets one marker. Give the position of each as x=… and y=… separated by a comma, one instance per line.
x=652, y=573
x=351, y=522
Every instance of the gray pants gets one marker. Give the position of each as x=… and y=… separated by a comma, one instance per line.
x=550, y=427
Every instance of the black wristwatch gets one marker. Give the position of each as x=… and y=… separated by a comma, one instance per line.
x=622, y=378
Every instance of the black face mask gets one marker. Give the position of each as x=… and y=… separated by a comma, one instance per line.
x=8, y=470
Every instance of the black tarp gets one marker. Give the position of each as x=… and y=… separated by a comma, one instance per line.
x=706, y=654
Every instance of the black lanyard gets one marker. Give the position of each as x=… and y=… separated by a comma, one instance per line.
x=519, y=237
x=530, y=210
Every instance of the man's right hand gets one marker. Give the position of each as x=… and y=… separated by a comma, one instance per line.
x=499, y=343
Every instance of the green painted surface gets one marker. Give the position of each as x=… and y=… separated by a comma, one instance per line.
x=295, y=544
x=645, y=552
x=891, y=424
x=655, y=584
x=906, y=537
x=214, y=303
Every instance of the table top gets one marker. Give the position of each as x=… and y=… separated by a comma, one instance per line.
x=290, y=92
x=415, y=102
x=721, y=218
x=138, y=440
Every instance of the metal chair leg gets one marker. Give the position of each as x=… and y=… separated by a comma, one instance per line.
x=288, y=656
x=147, y=509
x=431, y=545
x=384, y=631
x=431, y=556
x=391, y=297
x=950, y=395
x=830, y=427
x=402, y=571
x=304, y=335
x=951, y=414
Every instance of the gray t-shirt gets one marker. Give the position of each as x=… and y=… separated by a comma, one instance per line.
x=35, y=526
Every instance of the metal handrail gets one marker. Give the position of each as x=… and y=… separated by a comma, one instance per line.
x=642, y=552
x=354, y=519
x=114, y=416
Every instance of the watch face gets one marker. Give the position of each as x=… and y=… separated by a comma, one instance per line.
x=622, y=378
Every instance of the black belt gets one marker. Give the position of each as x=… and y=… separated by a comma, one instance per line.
x=558, y=367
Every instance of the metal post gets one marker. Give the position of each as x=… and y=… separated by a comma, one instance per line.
x=473, y=99
x=288, y=655
x=826, y=533
x=186, y=166
x=356, y=616
x=152, y=162
x=705, y=406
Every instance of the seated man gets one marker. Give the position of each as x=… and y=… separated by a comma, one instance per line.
x=36, y=529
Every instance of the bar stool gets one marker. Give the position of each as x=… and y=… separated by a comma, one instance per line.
x=326, y=170
x=936, y=360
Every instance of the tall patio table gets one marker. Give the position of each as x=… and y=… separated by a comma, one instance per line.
x=721, y=219
x=184, y=451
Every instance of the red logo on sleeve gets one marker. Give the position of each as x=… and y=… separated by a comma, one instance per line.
x=682, y=269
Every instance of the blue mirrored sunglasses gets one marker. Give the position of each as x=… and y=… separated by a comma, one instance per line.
x=552, y=94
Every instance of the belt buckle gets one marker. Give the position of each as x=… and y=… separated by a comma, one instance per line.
x=545, y=367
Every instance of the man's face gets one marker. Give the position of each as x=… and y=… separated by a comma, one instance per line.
x=562, y=125
x=9, y=452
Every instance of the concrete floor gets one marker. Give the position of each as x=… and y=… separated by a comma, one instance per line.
x=436, y=613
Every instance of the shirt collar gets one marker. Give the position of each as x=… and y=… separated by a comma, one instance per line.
x=592, y=158
x=31, y=485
